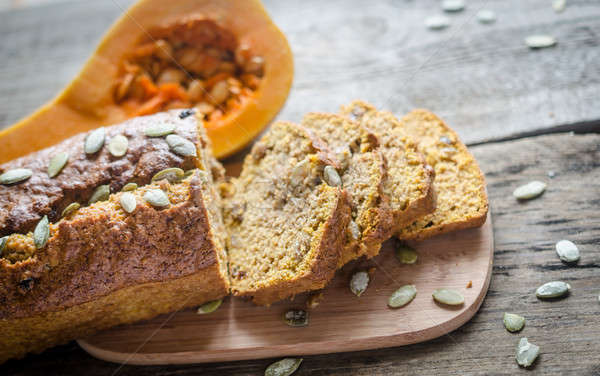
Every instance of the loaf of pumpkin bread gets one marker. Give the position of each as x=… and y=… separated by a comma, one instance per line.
x=121, y=256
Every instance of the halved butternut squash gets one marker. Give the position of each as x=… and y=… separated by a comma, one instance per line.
x=224, y=57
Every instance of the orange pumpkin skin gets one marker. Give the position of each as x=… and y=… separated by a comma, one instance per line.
x=87, y=102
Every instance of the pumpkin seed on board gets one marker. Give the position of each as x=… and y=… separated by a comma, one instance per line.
x=554, y=289
x=15, y=176
x=118, y=146
x=402, y=296
x=526, y=352
x=41, y=233
x=157, y=198
x=437, y=22
x=296, y=317
x=181, y=146
x=406, y=254
x=513, y=322
x=284, y=367
x=94, y=141
x=530, y=190
x=486, y=16
x=159, y=130
x=128, y=202
x=129, y=187
x=448, y=297
x=57, y=163
x=209, y=307
x=453, y=5
x=100, y=194
x=359, y=283
x=567, y=251
x=332, y=177
x=3, y=241
x=173, y=175
x=540, y=41
x=70, y=209
x=559, y=5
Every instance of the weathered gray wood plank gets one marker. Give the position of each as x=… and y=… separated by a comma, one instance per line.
x=481, y=78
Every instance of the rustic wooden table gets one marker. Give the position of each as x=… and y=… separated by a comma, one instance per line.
x=517, y=107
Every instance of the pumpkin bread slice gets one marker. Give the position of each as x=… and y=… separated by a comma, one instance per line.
x=409, y=183
x=362, y=173
x=284, y=221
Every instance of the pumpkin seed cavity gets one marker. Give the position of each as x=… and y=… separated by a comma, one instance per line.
x=359, y=283
x=513, y=322
x=296, y=317
x=129, y=187
x=173, y=175
x=128, y=202
x=94, y=141
x=57, y=163
x=526, y=352
x=209, y=307
x=406, y=254
x=181, y=146
x=567, y=251
x=402, y=296
x=284, y=367
x=554, y=289
x=102, y=193
x=41, y=233
x=15, y=176
x=157, y=198
x=118, y=146
x=332, y=177
x=529, y=190
x=448, y=297
x=70, y=209
x=159, y=130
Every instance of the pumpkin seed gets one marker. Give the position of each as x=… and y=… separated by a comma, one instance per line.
x=526, y=352
x=173, y=175
x=406, y=254
x=129, y=187
x=3, y=241
x=559, y=5
x=567, y=251
x=449, y=297
x=402, y=296
x=486, y=16
x=159, y=130
x=100, y=194
x=41, y=233
x=354, y=230
x=554, y=289
x=57, y=163
x=296, y=317
x=118, y=146
x=128, y=202
x=94, y=141
x=181, y=146
x=437, y=22
x=513, y=322
x=453, y=5
x=540, y=41
x=299, y=172
x=332, y=177
x=284, y=367
x=188, y=173
x=209, y=307
x=70, y=209
x=15, y=176
x=157, y=198
x=530, y=190
x=359, y=283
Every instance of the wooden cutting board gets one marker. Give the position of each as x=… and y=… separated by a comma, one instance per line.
x=342, y=322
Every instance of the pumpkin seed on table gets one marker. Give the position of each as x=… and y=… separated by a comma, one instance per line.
x=527, y=352
x=332, y=177
x=529, y=190
x=296, y=317
x=402, y=296
x=559, y=5
x=209, y=307
x=437, y=22
x=284, y=367
x=41, y=233
x=540, y=41
x=486, y=16
x=554, y=289
x=118, y=146
x=129, y=187
x=453, y=5
x=57, y=163
x=15, y=176
x=70, y=209
x=128, y=202
x=448, y=297
x=173, y=175
x=159, y=130
x=181, y=146
x=157, y=198
x=567, y=251
x=94, y=141
x=406, y=254
x=102, y=193
x=513, y=322
x=359, y=283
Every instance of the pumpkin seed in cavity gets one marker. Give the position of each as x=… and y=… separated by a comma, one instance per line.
x=100, y=194
x=513, y=322
x=118, y=146
x=209, y=307
x=296, y=317
x=486, y=16
x=402, y=296
x=157, y=198
x=70, y=209
x=453, y=5
x=406, y=254
x=181, y=146
x=159, y=130
x=57, y=163
x=526, y=352
x=554, y=289
x=94, y=141
x=449, y=297
x=41, y=233
x=540, y=41
x=173, y=175
x=128, y=202
x=332, y=177
x=359, y=283
x=567, y=251
x=15, y=176
x=529, y=190
x=284, y=367
x=129, y=187
x=3, y=241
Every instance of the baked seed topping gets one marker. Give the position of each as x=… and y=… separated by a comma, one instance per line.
x=554, y=289
x=359, y=283
x=128, y=202
x=157, y=198
x=159, y=130
x=173, y=175
x=332, y=177
x=181, y=146
x=284, y=367
x=94, y=141
x=296, y=317
x=448, y=297
x=526, y=352
x=118, y=146
x=70, y=209
x=15, y=176
x=402, y=296
x=129, y=187
x=100, y=194
x=512, y=322
x=57, y=163
x=41, y=233
x=209, y=307
x=406, y=254
x=567, y=251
